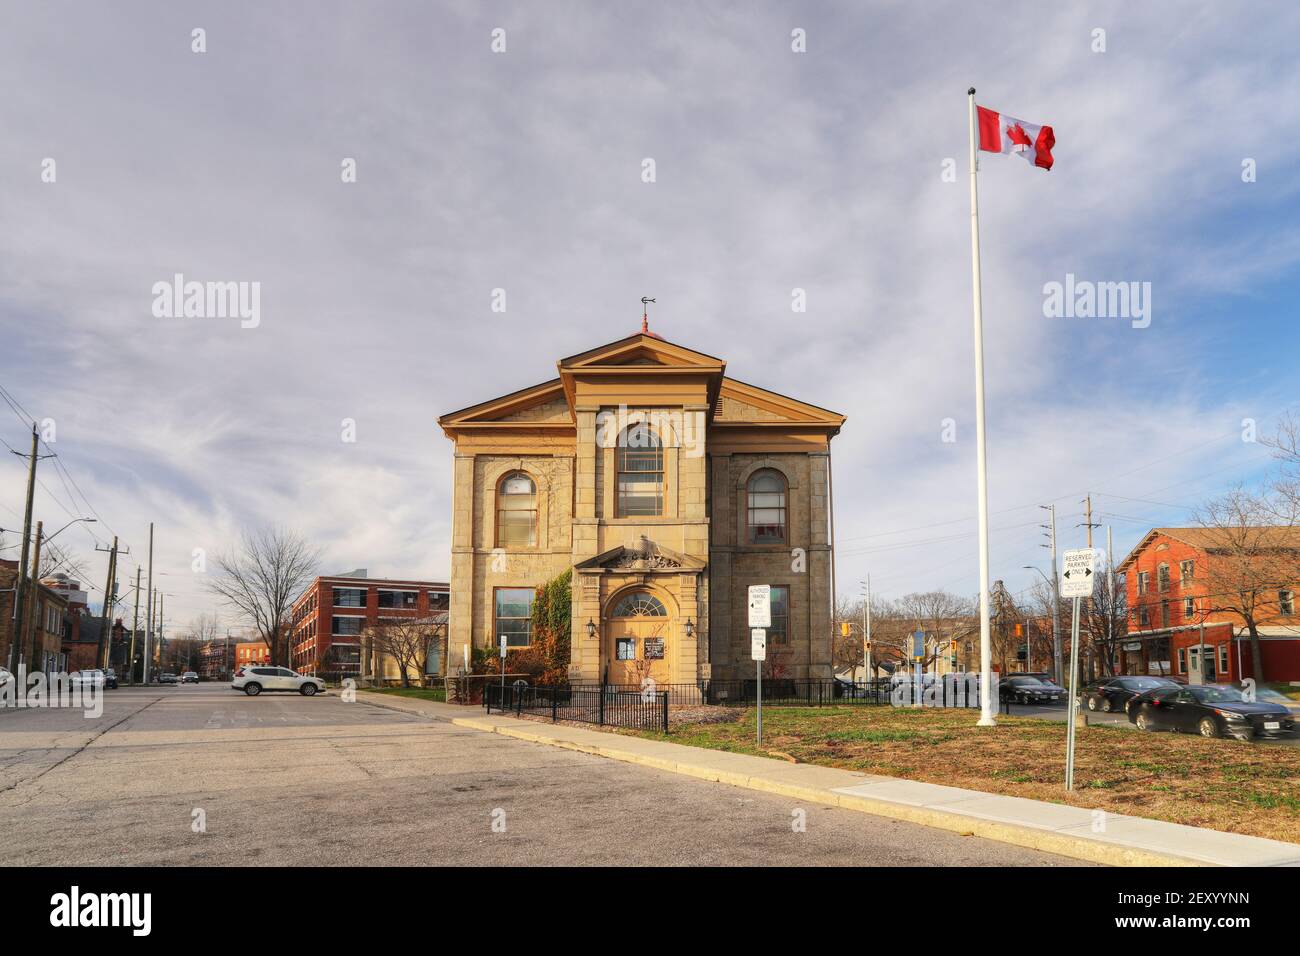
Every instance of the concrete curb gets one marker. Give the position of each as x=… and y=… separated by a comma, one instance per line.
x=1036, y=825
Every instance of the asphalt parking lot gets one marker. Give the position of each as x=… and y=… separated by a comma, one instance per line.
x=1059, y=711
x=202, y=775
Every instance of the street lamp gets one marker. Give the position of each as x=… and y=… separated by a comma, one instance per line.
x=51, y=537
x=1056, y=659
x=591, y=628
x=690, y=627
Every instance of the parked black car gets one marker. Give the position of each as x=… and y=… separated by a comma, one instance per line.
x=1029, y=690
x=110, y=678
x=1211, y=710
x=1113, y=693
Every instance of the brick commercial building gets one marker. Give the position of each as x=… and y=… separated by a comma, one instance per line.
x=330, y=620
x=46, y=614
x=667, y=488
x=1183, y=585
x=219, y=659
x=247, y=653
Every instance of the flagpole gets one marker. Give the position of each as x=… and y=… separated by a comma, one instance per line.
x=982, y=481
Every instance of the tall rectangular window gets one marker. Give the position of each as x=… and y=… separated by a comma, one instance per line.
x=513, y=616
x=1286, y=602
x=1162, y=578
x=639, y=482
x=1185, y=571
x=1164, y=613
x=779, y=632
x=766, y=499
x=1144, y=579
x=516, y=512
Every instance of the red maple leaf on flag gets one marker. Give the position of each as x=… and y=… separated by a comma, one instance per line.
x=1018, y=136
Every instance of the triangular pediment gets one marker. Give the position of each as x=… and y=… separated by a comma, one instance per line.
x=644, y=555
x=543, y=404
x=641, y=349
x=742, y=403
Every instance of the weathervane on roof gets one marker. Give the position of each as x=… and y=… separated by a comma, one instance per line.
x=645, y=316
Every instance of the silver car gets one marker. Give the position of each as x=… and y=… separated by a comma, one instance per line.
x=253, y=680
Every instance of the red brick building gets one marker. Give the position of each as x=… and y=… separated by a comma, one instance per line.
x=1175, y=580
x=329, y=619
x=251, y=652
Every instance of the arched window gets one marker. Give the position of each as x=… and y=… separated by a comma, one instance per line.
x=640, y=467
x=516, y=511
x=639, y=604
x=766, y=490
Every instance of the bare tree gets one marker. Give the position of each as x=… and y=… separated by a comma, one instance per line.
x=55, y=559
x=1249, y=561
x=205, y=628
x=942, y=615
x=262, y=578
x=406, y=640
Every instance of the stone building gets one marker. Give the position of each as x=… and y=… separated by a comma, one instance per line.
x=668, y=488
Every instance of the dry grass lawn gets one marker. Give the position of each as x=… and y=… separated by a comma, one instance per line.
x=1230, y=785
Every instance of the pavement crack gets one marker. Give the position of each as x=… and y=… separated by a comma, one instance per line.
x=82, y=746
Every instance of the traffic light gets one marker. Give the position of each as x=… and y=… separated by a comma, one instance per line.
x=844, y=628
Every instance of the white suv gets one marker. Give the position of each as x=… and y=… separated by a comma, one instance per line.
x=253, y=680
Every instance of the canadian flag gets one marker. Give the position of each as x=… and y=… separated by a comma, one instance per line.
x=1000, y=133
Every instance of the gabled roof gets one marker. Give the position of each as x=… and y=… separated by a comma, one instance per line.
x=645, y=356
x=1264, y=537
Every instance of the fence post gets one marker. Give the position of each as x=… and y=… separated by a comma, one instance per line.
x=665, y=711
x=555, y=697
x=600, y=721
x=519, y=701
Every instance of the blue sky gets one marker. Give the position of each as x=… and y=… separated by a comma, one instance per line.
x=521, y=170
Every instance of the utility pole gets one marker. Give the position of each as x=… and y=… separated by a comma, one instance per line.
x=148, y=627
x=105, y=644
x=868, y=628
x=135, y=626
x=1087, y=521
x=1056, y=595
x=1110, y=603
x=162, y=644
x=21, y=593
x=29, y=626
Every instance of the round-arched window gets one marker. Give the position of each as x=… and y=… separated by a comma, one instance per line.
x=766, y=492
x=639, y=461
x=639, y=604
x=516, y=511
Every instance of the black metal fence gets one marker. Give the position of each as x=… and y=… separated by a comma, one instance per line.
x=589, y=704
x=679, y=695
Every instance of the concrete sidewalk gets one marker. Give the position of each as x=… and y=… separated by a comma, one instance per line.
x=1054, y=828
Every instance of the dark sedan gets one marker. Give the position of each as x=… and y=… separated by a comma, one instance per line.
x=1211, y=710
x=1112, y=694
x=1029, y=690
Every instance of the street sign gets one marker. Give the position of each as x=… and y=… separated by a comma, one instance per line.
x=760, y=605
x=758, y=644
x=1077, y=573
x=503, y=647
x=917, y=645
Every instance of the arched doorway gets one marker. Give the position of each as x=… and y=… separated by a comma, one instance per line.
x=637, y=632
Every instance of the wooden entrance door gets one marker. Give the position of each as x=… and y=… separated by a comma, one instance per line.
x=637, y=632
